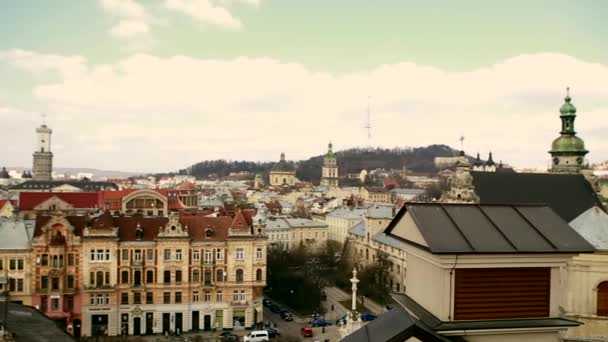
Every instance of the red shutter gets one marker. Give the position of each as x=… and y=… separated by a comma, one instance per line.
x=496, y=293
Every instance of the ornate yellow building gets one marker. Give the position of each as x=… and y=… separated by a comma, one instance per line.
x=145, y=275
x=283, y=173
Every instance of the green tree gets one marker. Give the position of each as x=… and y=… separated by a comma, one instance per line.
x=375, y=279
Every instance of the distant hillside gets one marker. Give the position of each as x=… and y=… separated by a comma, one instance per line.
x=418, y=159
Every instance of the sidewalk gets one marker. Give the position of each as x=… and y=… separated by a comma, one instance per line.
x=341, y=295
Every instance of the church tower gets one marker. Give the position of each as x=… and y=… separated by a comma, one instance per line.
x=568, y=151
x=329, y=173
x=43, y=157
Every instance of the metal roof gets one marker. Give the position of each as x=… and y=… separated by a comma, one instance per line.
x=16, y=234
x=29, y=325
x=593, y=226
x=470, y=228
x=569, y=195
x=394, y=326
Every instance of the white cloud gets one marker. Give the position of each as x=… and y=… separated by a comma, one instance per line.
x=151, y=113
x=206, y=11
x=38, y=63
x=129, y=28
x=131, y=18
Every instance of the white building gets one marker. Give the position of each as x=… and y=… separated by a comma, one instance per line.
x=586, y=298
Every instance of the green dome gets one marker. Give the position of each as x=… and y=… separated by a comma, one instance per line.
x=568, y=143
x=567, y=108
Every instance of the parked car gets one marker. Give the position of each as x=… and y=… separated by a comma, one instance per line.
x=275, y=308
x=306, y=331
x=320, y=323
x=341, y=320
x=229, y=337
x=257, y=336
x=266, y=302
x=368, y=316
x=286, y=316
x=273, y=332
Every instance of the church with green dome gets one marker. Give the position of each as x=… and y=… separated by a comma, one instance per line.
x=329, y=172
x=568, y=151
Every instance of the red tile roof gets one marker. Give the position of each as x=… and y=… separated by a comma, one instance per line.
x=239, y=221
x=3, y=202
x=197, y=227
x=185, y=186
x=80, y=200
x=78, y=222
x=128, y=224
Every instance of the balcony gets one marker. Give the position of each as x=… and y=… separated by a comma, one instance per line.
x=208, y=284
x=100, y=288
x=71, y=290
x=137, y=263
x=239, y=303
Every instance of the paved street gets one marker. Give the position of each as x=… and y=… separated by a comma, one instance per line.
x=293, y=328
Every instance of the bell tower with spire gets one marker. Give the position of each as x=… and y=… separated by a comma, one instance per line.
x=43, y=157
x=329, y=172
x=568, y=151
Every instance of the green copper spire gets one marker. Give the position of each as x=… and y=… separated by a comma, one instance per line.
x=330, y=152
x=568, y=150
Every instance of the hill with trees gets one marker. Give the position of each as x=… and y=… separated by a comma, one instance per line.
x=417, y=159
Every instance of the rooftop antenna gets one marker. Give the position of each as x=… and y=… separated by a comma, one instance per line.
x=368, y=123
x=43, y=115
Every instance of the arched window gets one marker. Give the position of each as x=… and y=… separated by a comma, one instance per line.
x=208, y=280
x=137, y=278
x=149, y=277
x=258, y=274
x=167, y=277
x=178, y=276
x=124, y=277
x=219, y=275
x=239, y=276
x=196, y=276
x=99, y=278
x=602, y=299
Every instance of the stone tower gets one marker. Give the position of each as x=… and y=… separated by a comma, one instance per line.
x=461, y=188
x=568, y=151
x=43, y=157
x=258, y=181
x=329, y=173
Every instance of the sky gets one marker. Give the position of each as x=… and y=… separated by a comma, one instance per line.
x=157, y=85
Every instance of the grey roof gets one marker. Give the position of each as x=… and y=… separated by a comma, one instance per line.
x=348, y=213
x=388, y=240
x=394, y=326
x=81, y=184
x=593, y=226
x=359, y=229
x=16, y=234
x=385, y=212
x=29, y=325
x=569, y=195
x=289, y=223
x=301, y=222
x=413, y=192
x=470, y=228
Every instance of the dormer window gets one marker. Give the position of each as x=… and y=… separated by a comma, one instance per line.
x=209, y=232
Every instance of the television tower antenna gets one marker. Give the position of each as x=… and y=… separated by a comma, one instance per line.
x=368, y=123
